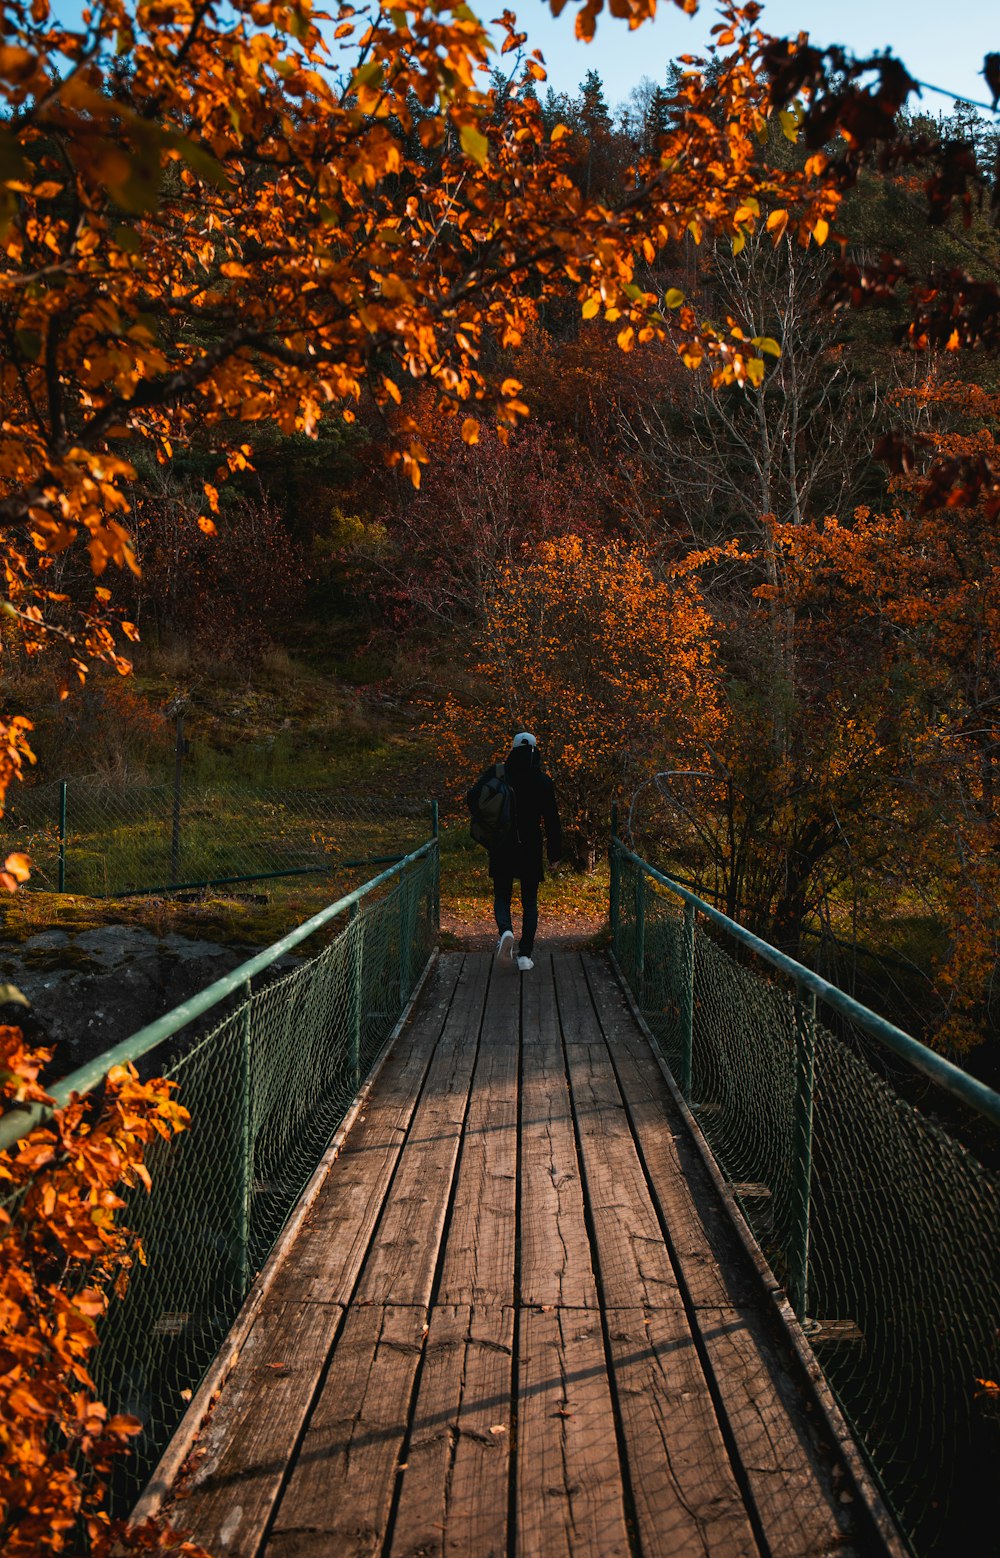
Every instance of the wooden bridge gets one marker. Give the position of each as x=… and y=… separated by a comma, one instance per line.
x=520, y=1318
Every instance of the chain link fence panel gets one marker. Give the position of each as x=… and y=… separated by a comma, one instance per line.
x=873, y=1193
x=105, y=840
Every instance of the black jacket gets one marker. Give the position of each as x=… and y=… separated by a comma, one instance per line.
x=535, y=798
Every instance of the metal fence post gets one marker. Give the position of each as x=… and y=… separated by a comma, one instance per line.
x=805, y=1072
x=357, y=970
x=175, y=830
x=436, y=878
x=687, y=1000
x=404, y=940
x=246, y=1143
x=640, y=930
x=62, y=836
x=615, y=896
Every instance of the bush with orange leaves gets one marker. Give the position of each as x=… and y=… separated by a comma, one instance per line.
x=63, y=1257
x=610, y=661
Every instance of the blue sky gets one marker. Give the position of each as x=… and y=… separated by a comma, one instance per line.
x=943, y=43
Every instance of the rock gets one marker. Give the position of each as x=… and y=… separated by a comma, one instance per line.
x=90, y=990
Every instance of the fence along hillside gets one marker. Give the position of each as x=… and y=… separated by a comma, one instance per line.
x=102, y=839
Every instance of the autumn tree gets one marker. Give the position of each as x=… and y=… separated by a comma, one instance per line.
x=611, y=665
x=912, y=598
x=202, y=226
x=437, y=552
x=63, y=1256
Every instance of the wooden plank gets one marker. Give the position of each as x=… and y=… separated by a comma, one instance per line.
x=454, y=1493
x=478, y=1263
x=687, y=1502
x=633, y=1265
x=340, y=1492
x=778, y=1448
x=556, y=1265
x=402, y=1257
x=230, y=1481
x=335, y=1237
x=705, y=1247
x=799, y=1510
x=570, y=1499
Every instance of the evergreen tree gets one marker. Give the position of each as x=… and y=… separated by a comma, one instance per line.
x=592, y=108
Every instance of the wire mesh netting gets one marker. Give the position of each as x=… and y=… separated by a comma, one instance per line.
x=103, y=839
x=266, y=1088
x=888, y=1237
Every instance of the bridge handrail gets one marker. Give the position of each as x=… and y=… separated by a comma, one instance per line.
x=947, y=1075
x=872, y=1194
x=20, y=1120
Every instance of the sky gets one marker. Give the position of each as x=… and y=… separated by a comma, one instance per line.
x=941, y=43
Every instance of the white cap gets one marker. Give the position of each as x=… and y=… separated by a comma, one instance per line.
x=524, y=738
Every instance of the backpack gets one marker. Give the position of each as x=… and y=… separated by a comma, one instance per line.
x=494, y=811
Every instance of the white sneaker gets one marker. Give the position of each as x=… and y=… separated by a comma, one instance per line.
x=524, y=964
x=505, y=946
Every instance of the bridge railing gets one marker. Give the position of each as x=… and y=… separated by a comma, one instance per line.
x=267, y=1061
x=865, y=1164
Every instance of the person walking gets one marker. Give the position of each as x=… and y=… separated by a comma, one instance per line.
x=528, y=797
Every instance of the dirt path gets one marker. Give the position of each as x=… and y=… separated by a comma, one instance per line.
x=470, y=926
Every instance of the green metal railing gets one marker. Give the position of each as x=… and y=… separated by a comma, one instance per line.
x=107, y=839
x=267, y=1080
x=862, y=1162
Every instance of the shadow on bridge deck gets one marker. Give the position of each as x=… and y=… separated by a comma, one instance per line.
x=518, y=1319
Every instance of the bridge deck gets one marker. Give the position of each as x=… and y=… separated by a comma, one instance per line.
x=517, y=1319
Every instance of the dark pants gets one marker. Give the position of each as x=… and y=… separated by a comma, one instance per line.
x=503, y=891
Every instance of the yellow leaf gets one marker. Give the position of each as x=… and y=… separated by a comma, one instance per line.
x=674, y=298
x=474, y=144
x=591, y=308
x=560, y=133
x=19, y=867
x=821, y=231
x=470, y=431
x=755, y=370
x=776, y=223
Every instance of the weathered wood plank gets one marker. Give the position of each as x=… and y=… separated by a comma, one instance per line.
x=314, y=1441
x=798, y=1507
x=340, y=1492
x=778, y=1448
x=454, y=1494
x=402, y=1257
x=556, y=1265
x=701, y=1235
x=687, y=1501
x=570, y=1499
x=229, y=1483
x=632, y=1263
x=333, y=1242
x=478, y=1266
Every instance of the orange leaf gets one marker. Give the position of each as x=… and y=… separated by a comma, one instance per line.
x=19, y=867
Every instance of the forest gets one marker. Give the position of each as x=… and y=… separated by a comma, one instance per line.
x=721, y=598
